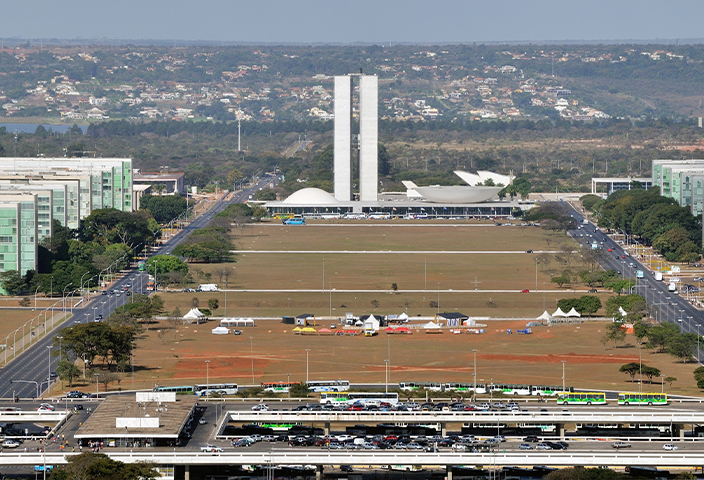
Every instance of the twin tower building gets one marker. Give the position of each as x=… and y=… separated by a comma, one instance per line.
x=364, y=143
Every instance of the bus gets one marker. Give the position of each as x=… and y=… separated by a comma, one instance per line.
x=341, y=398
x=328, y=385
x=465, y=387
x=181, y=389
x=140, y=265
x=629, y=398
x=511, y=389
x=581, y=398
x=548, y=390
x=215, y=388
x=409, y=386
x=278, y=387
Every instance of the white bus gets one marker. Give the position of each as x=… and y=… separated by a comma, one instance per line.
x=328, y=385
x=432, y=386
x=349, y=398
x=215, y=389
x=460, y=387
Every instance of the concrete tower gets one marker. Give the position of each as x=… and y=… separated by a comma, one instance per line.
x=343, y=138
x=368, y=137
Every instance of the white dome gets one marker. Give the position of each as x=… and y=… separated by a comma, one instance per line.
x=311, y=196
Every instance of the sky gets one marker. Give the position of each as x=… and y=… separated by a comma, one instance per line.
x=354, y=21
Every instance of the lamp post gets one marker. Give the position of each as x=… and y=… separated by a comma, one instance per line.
x=536, y=273
x=662, y=383
x=698, y=337
x=59, y=338
x=640, y=370
x=438, y=297
x=330, y=291
x=81, y=282
x=288, y=384
x=63, y=298
x=491, y=390
x=35, y=296
x=474, y=352
x=97, y=385
x=207, y=376
x=386, y=381
x=563, y=374
x=48, y=378
x=251, y=356
x=307, y=350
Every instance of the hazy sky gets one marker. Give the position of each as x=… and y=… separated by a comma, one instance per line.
x=350, y=21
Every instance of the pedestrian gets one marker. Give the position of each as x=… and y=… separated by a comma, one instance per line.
x=74, y=449
x=62, y=448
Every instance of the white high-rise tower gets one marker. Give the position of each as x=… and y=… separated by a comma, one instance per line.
x=368, y=137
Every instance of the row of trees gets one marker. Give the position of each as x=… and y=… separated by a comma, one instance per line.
x=658, y=221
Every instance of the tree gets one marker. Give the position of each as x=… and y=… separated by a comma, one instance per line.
x=631, y=369
x=682, y=346
x=375, y=303
x=650, y=372
x=660, y=336
x=394, y=287
x=615, y=333
x=195, y=302
x=299, y=390
x=107, y=378
x=213, y=304
x=384, y=160
x=97, y=466
x=163, y=208
x=560, y=280
x=12, y=282
x=641, y=330
x=67, y=371
x=25, y=302
x=669, y=380
x=588, y=305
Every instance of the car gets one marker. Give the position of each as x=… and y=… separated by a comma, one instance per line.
x=525, y=290
x=202, y=421
x=261, y=407
x=592, y=290
x=104, y=292
x=74, y=394
x=499, y=438
x=525, y=446
x=237, y=332
x=45, y=407
x=128, y=293
x=543, y=446
x=618, y=445
x=211, y=449
x=77, y=407
x=609, y=249
x=670, y=446
x=531, y=438
x=9, y=443
x=346, y=468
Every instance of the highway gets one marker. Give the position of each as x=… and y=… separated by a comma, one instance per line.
x=671, y=307
x=32, y=368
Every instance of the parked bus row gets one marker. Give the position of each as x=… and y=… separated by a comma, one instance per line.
x=599, y=398
x=483, y=388
x=274, y=387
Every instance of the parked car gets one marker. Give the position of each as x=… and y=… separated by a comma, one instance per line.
x=543, y=446
x=670, y=446
x=620, y=445
x=531, y=438
x=525, y=446
x=9, y=443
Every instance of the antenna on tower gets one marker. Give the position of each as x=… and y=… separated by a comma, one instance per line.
x=239, y=134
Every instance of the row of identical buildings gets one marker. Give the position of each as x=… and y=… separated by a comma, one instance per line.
x=36, y=191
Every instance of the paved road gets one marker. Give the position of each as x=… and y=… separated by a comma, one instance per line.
x=670, y=307
x=36, y=363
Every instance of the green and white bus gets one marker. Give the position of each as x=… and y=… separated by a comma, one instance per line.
x=431, y=386
x=464, y=387
x=340, y=398
x=629, y=398
x=581, y=398
x=548, y=390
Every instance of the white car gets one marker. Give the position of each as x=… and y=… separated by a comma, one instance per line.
x=9, y=443
x=260, y=408
x=211, y=449
x=45, y=407
x=670, y=446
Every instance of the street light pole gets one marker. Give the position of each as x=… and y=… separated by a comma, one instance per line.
x=307, y=350
x=48, y=378
x=563, y=374
x=97, y=385
x=474, y=352
x=251, y=356
x=386, y=381
x=698, y=337
x=59, y=338
x=288, y=384
x=207, y=377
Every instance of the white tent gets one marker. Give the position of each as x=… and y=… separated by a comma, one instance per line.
x=220, y=331
x=194, y=314
x=544, y=316
x=573, y=313
x=403, y=317
x=236, y=322
x=371, y=323
x=622, y=311
x=559, y=313
x=431, y=325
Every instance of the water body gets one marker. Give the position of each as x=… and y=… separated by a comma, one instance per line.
x=32, y=127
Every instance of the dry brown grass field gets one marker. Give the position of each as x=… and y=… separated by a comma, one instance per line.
x=482, y=284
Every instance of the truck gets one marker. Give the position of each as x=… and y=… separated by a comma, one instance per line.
x=639, y=273
x=672, y=287
x=658, y=276
x=207, y=287
x=585, y=222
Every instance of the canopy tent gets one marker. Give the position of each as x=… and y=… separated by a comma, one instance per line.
x=559, y=313
x=573, y=313
x=296, y=330
x=390, y=329
x=431, y=325
x=622, y=311
x=403, y=317
x=358, y=323
x=220, y=331
x=194, y=314
x=325, y=331
x=309, y=330
x=371, y=323
x=229, y=322
x=544, y=316
x=403, y=330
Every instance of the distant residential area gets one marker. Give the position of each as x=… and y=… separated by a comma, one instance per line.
x=88, y=84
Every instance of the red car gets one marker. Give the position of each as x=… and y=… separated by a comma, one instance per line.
x=525, y=290
x=609, y=249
